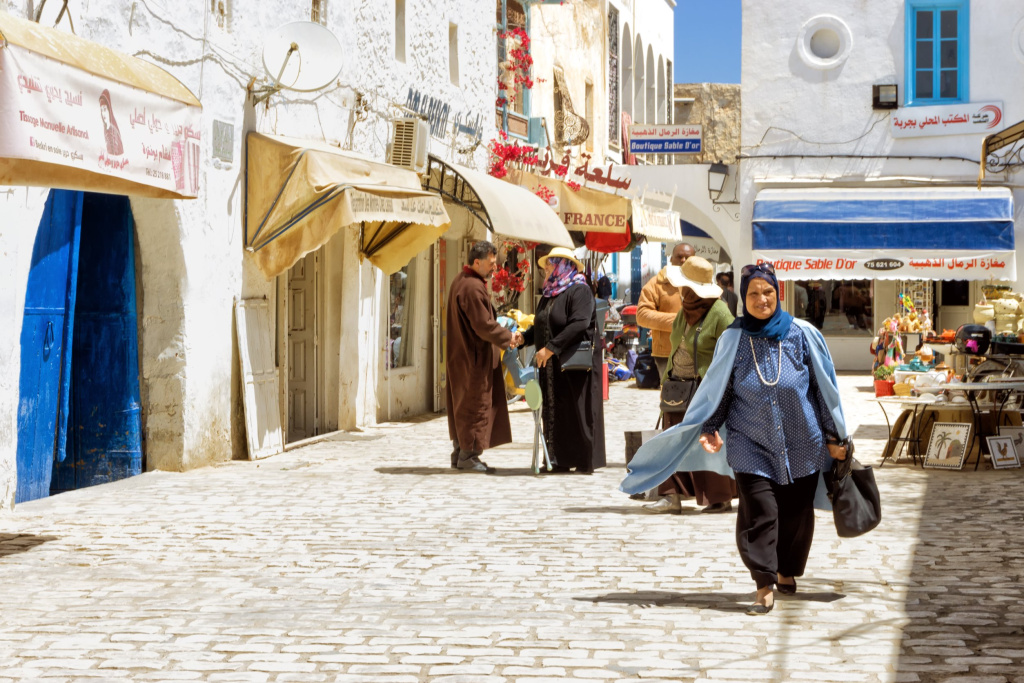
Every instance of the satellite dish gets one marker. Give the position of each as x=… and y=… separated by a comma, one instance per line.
x=302, y=56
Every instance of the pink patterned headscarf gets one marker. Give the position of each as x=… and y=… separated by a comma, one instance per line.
x=562, y=277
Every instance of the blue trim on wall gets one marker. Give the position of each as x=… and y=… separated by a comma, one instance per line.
x=910, y=51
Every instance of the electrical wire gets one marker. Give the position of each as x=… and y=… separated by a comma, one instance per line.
x=799, y=137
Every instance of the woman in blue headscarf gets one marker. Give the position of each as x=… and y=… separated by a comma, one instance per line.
x=770, y=396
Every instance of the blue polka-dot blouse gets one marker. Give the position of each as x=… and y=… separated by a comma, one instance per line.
x=774, y=412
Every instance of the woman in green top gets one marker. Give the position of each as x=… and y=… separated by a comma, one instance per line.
x=702, y=320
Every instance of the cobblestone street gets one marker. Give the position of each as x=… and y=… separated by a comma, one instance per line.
x=366, y=559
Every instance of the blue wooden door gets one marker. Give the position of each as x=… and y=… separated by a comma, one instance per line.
x=106, y=438
x=47, y=327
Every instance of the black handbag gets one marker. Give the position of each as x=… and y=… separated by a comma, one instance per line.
x=856, y=505
x=583, y=357
x=676, y=394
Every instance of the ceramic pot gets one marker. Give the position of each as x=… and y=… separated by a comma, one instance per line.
x=883, y=387
x=983, y=313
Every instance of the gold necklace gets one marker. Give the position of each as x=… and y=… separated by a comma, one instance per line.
x=758, y=367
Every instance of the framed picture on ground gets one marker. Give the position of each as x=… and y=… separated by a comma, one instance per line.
x=948, y=445
x=1006, y=456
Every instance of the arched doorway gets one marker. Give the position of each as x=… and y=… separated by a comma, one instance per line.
x=79, y=421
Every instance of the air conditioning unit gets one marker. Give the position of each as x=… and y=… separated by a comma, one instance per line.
x=410, y=143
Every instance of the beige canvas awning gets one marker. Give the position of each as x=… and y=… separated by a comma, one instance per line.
x=299, y=193
x=78, y=115
x=498, y=206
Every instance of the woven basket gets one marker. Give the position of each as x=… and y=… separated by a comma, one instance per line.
x=901, y=389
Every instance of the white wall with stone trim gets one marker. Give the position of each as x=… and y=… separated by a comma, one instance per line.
x=191, y=257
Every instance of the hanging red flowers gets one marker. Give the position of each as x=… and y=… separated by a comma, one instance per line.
x=504, y=152
x=509, y=281
x=515, y=70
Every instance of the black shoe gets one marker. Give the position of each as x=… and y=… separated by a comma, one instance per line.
x=786, y=588
x=474, y=464
x=760, y=610
x=559, y=469
x=718, y=507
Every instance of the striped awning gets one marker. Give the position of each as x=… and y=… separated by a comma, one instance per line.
x=942, y=233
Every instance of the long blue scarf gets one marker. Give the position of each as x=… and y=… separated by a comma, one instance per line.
x=776, y=327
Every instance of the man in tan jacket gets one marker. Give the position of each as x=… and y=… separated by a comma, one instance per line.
x=659, y=302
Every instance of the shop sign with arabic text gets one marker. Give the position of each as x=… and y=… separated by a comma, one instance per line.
x=665, y=139
x=58, y=114
x=884, y=265
x=953, y=119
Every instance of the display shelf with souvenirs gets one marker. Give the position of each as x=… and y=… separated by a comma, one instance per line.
x=990, y=349
x=890, y=350
x=973, y=375
x=920, y=292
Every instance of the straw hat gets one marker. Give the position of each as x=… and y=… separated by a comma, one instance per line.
x=560, y=252
x=696, y=273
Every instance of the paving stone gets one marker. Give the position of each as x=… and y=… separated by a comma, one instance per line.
x=366, y=559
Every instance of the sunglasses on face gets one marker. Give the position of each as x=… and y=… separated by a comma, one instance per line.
x=759, y=268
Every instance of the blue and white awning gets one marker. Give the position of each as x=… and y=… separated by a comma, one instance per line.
x=930, y=233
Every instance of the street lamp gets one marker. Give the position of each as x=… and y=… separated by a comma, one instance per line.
x=716, y=180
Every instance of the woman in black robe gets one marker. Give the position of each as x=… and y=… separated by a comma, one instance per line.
x=573, y=408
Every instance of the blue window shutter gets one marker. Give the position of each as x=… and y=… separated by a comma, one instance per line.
x=937, y=50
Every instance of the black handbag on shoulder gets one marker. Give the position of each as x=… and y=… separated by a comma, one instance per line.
x=676, y=394
x=856, y=505
x=583, y=357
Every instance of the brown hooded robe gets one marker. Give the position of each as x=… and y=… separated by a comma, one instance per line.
x=475, y=390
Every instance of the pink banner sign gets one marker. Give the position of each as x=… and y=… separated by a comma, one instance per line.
x=59, y=114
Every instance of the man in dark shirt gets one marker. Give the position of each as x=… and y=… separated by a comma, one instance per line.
x=724, y=280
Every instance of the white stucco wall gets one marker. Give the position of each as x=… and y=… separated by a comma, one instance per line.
x=191, y=256
x=21, y=208
x=650, y=26
x=823, y=118
x=790, y=108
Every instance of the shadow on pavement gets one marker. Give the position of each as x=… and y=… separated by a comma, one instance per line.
x=637, y=509
x=616, y=509
x=12, y=544
x=720, y=602
x=871, y=431
x=965, y=598
x=424, y=471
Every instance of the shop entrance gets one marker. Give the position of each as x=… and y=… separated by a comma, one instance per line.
x=956, y=304
x=79, y=420
x=304, y=387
